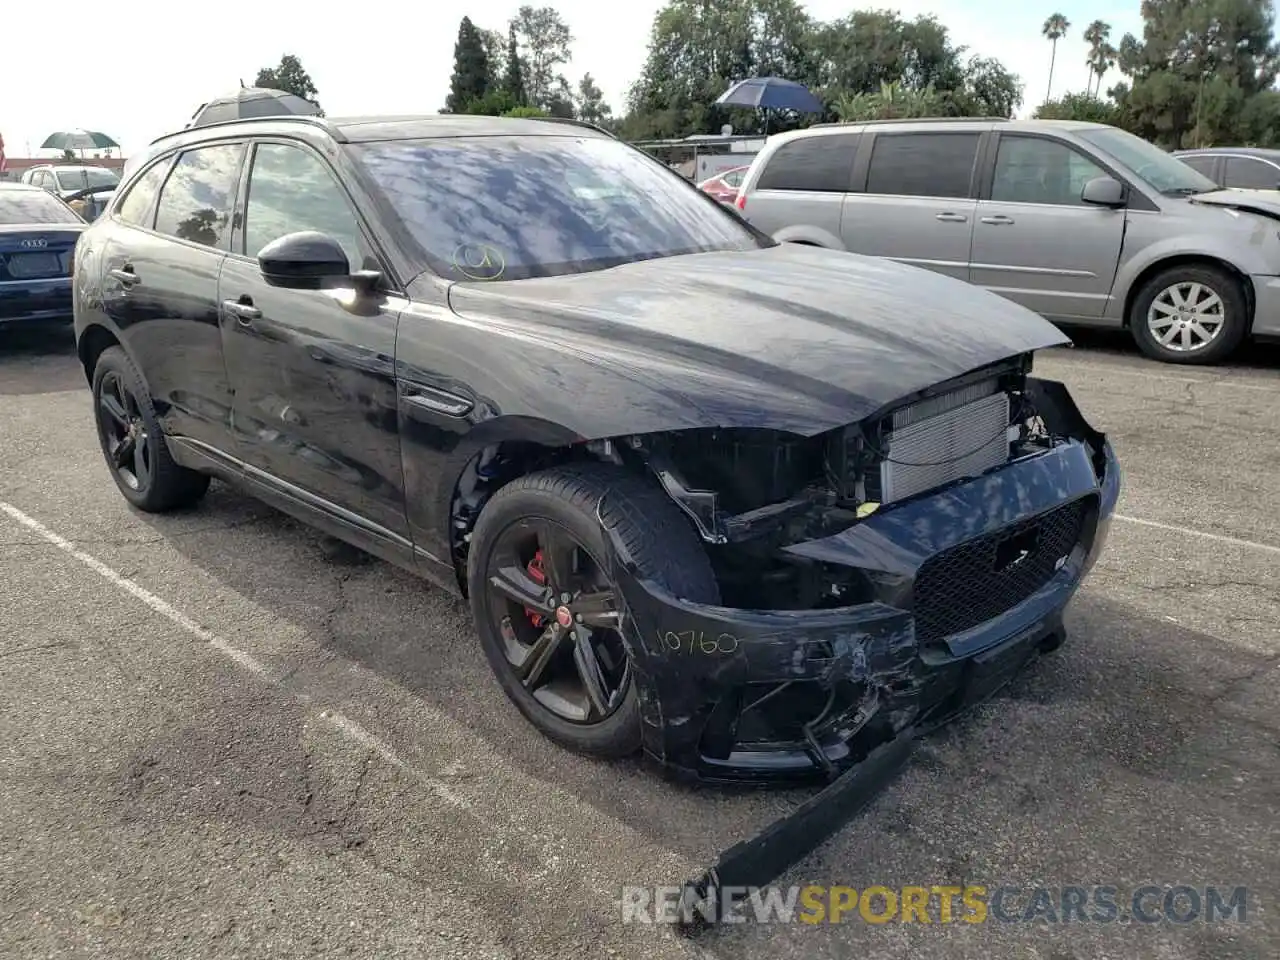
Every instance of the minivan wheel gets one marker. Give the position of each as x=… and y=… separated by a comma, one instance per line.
x=133, y=442
x=545, y=607
x=1190, y=314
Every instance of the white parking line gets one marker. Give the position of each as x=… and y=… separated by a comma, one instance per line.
x=496, y=777
x=1203, y=534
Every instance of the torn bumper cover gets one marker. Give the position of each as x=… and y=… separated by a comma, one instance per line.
x=968, y=582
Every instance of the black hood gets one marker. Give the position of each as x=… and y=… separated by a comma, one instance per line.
x=806, y=337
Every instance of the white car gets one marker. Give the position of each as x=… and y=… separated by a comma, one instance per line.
x=63, y=180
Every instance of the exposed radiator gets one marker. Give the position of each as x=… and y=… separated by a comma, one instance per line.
x=943, y=439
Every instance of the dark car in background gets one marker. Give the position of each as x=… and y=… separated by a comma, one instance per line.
x=751, y=507
x=1240, y=168
x=38, y=234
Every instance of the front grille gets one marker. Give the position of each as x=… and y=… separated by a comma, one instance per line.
x=984, y=577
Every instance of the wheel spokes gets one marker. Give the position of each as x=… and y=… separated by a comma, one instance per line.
x=534, y=659
x=597, y=609
x=559, y=557
x=514, y=583
x=590, y=673
x=114, y=409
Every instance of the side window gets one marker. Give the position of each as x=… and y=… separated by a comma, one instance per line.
x=923, y=164
x=813, y=163
x=1202, y=165
x=1251, y=174
x=136, y=206
x=291, y=189
x=195, y=203
x=1035, y=170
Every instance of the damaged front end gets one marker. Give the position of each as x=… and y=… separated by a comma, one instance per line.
x=875, y=580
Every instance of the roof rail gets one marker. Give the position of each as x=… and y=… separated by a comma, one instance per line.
x=876, y=123
x=320, y=122
x=571, y=121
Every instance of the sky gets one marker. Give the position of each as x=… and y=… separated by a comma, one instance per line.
x=122, y=80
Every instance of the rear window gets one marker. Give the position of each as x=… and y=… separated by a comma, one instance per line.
x=33, y=206
x=86, y=177
x=815, y=163
x=507, y=208
x=923, y=164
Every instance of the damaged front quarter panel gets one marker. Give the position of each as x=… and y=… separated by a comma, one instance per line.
x=964, y=585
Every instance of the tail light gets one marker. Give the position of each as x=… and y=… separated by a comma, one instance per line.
x=740, y=201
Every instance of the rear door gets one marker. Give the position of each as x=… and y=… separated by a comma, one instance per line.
x=160, y=286
x=799, y=195
x=917, y=202
x=1036, y=242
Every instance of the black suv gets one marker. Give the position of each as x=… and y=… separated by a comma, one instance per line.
x=755, y=508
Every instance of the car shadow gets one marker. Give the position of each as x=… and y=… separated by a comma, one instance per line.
x=1254, y=355
x=39, y=358
x=1126, y=697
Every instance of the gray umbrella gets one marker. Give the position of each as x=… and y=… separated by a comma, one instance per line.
x=253, y=102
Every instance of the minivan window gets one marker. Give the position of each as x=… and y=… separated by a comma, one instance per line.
x=819, y=163
x=511, y=207
x=135, y=208
x=923, y=164
x=82, y=178
x=1036, y=170
x=196, y=201
x=1202, y=165
x=1161, y=171
x=1250, y=173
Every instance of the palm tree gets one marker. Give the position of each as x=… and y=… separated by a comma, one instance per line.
x=1054, y=28
x=1102, y=56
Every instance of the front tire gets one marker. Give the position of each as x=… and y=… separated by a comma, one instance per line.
x=133, y=442
x=542, y=600
x=1193, y=314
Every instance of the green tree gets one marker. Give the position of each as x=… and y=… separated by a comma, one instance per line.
x=291, y=78
x=589, y=102
x=1102, y=55
x=513, y=72
x=891, y=102
x=470, y=80
x=1054, y=29
x=989, y=90
x=544, y=41
x=527, y=112
x=1193, y=77
x=495, y=53
x=1079, y=106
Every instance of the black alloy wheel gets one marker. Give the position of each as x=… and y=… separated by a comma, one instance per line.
x=126, y=440
x=133, y=441
x=558, y=621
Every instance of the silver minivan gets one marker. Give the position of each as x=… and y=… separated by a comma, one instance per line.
x=1083, y=223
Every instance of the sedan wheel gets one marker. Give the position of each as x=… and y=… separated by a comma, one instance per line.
x=1186, y=317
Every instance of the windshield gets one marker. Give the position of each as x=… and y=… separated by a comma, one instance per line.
x=33, y=206
x=508, y=208
x=1148, y=162
x=83, y=177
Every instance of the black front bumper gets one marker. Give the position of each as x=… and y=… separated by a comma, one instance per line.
x=740, y=695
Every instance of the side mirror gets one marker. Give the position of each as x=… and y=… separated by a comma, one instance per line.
x=1103, y=192
x=303, y=260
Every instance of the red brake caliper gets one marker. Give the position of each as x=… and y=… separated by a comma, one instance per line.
x=539, y=576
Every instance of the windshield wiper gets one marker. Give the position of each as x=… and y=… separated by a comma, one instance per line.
x=1184, y=192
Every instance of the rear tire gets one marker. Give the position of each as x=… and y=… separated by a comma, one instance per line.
x=1179, y=305
x=659, y=538
x=129, y=430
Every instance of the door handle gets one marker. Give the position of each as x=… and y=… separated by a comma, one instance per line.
x=245, y=313
x=952, y=218
x=998, y=221
x=125, y=275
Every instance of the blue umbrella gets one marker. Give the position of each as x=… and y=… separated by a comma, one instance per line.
x=771, y=93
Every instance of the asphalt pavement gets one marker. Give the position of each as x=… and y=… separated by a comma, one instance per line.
x=220, y=737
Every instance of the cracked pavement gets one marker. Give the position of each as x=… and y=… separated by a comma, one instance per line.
x=356, y=784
